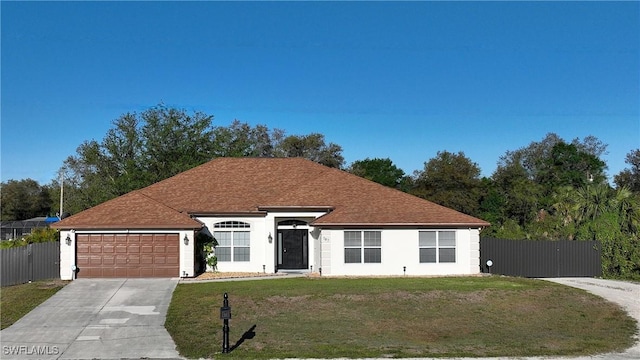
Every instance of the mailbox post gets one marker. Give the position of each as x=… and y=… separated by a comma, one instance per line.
x=225, y=315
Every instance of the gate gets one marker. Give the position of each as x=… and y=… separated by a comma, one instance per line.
x=541, y=258
x=33, y=262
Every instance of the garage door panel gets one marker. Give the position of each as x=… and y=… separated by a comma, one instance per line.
x=126, y=238
x=146, y=259
x=121, y=259
x=108, y=272
x=95, y=238
x=134, y=272
x=147, y=272
x=172, y=248
x=134, y=260
x=108, y=260
x=128, y=255
x=120, y=272
x=82, y=261
x=173, y=260
x=95, y=261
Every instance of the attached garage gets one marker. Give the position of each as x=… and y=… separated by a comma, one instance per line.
x=127, y=255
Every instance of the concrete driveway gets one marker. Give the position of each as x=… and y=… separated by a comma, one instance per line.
x=96, y=319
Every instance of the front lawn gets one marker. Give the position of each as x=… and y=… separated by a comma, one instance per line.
x=396, y=317
x=16, y=301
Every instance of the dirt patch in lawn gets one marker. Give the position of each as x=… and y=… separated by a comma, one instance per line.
x=229, y=275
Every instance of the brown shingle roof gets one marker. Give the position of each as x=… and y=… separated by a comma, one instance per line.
x=250, y=185
x=130, y=211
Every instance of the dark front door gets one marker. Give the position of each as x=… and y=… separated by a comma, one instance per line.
x=293, y=249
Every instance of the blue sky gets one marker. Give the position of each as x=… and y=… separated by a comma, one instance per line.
x=382, y=79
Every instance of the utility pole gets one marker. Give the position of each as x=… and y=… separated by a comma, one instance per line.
x=61, y=192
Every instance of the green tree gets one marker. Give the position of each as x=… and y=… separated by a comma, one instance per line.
x=312, y=147
x=174, y=141
x=382, y=171
x=519, y=193
x=541, y=158
x=241, y=140
x=143, y=148
x=598, y=212
x=528, y=179
x=123, y=150
x=87, y=178
x=630, y=177
x=451, y=180
x=492, y=204
x=24, y=199
x=566, y=164
x=137, y=151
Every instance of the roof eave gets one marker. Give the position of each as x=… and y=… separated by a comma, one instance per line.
x=312, y=208
x=399, y=225
x=228, y=213
x=130, y=227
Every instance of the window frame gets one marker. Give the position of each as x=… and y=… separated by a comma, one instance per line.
x=237, y=250
x=364, y=255
x=438, y=247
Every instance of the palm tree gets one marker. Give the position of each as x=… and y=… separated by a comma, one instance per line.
x=592, y=201
x=627, y=205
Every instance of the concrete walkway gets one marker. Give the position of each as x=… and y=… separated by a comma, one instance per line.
x=96, y=319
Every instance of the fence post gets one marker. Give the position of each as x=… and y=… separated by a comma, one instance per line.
x=30, y=261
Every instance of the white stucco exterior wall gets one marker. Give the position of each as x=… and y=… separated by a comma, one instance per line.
x=259, y=244
x=67, y=255
x=263, y=252
x=187, y=254
x=400, y=249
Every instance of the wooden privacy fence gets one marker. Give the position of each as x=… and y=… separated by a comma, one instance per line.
x=541, y=258
x=33, y=262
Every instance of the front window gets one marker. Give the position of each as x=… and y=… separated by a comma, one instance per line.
x=437, y=246
x=233, y=242
x=362, y=246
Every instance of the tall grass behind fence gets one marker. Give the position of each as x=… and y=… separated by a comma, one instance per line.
x=39, y=261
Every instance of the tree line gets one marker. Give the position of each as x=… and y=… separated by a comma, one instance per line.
x=550, y=189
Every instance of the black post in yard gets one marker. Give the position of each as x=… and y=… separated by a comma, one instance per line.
x=225, y=315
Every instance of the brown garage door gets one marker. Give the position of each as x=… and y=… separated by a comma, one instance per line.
x=128, y=255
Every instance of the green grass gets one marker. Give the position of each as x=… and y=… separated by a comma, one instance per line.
x=16, y=301
x=396, y=317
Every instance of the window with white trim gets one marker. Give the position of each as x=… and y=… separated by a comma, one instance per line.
x=362, y=246
x=233, y=242
x=437, y=246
